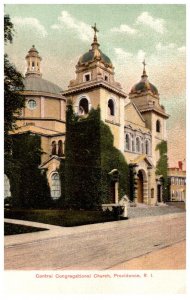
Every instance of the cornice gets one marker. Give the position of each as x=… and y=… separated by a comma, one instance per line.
x=43, y=94
x=95, y=84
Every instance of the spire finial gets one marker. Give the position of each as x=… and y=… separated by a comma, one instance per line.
x=95, y=30
x=95, y=44
x=144, y=70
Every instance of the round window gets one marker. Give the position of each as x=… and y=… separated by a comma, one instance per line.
x=32, y=104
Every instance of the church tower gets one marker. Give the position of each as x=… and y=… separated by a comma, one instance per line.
x=95, y=87
x=146, y=97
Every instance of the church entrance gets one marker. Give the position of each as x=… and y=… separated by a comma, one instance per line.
x=112, y=192
x=140, y=190
x=159, y=193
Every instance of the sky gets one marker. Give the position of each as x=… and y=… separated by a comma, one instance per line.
x=128, y=33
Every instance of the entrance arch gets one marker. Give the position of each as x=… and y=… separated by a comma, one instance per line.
x=142, y=187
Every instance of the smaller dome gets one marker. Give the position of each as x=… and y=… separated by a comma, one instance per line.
x=143, y=86
x=33, y=52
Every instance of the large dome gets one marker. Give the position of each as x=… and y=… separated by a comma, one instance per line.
x=89, y=56
x=38, y=84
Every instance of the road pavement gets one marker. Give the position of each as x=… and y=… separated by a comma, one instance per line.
x=95, y=247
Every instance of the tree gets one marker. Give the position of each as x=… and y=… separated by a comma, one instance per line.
x=13, y=84
x=162, y=167
x=89, y=157
x=32, y=190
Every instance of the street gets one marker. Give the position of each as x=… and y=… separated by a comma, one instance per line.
x=98, y=246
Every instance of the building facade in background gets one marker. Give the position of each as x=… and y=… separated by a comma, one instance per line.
x=177, y=183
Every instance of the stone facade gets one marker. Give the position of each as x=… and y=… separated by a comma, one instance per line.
x=137, y=126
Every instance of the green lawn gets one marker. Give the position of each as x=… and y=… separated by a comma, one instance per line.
x=10, y=229
x=61, y=217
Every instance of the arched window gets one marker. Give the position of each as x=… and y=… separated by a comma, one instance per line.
x=137, y=144
x=55, y=186
x=53, y=148
x=158, y=126
x=83, y=107
x=111, y=107
x=132, y=143
x=31, y=104
x=142, y=147
x=60, y=148
x=147, y=147
x=127, y=142
x=7, y=191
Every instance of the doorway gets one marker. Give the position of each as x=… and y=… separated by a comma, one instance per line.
x=112, y=191
x=140, y=190
x=159, y=193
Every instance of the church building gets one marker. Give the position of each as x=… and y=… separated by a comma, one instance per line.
x=137, y=121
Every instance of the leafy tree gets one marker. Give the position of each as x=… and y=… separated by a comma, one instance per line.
x=13, y=84
x=8, y=29
x=32, y=191
x=90, y=156
x=162, y=167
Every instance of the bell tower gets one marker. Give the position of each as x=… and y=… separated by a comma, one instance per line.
x=95, y=86
x=33, y=62
x=146, y=97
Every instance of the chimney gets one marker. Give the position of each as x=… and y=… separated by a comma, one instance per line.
x=180, y=165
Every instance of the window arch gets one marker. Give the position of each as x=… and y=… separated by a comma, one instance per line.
x=55, y=186
x=137, y=144
x=53, y=148
x=147, y=147
x=142, y=147
x=7, y=188
x=31, y=104
x=83, y=106
x=158, y=126
x=111, y=107
x=60, y=148
x=127, y=142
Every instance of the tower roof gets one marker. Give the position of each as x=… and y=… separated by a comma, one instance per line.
x=95, y=53
x=144, y=85
x=33, y=53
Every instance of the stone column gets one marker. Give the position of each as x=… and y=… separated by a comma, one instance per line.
x=116, y=192
x=62, y=110
x=42, y=107
x=135, y=188
x=149, y=185
x=145, y=192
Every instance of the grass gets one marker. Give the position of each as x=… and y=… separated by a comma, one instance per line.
x=64, y=218
x=10, y=229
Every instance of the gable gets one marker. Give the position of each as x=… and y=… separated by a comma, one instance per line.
x=133, y=115
x=53, y=161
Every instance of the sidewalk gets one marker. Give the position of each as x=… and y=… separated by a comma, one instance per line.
x=57, y=231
